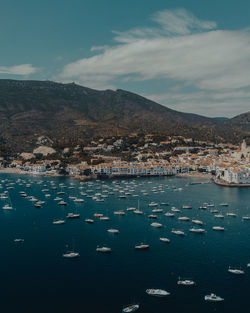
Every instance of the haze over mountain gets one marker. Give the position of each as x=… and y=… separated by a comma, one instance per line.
x=69, y=112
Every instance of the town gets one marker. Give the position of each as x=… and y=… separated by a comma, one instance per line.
x=136, y=156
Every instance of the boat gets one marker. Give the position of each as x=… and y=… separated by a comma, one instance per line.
x=73, y=215
x=235, y=271
x=130, y=308
x=187, y=207
x=157, y=292
x=219, y=216
x=157, y=210
x=119, y=212
x=185, y=282
x=152, y=216
x=89, y=220
x=164, y=239
x=71, y=255
x=198, y=222
x=197, y=230
x=169, y=214
x=178, y=232
x=214, y=211
x=7, y=207
x=131, y=209
x=98, y=215
x=157, y=225
x=152, y=204
x=18, y=240
x=164, y=203
x=213, y=298
x=113, y=231
x=183, y=218
x=103, y=249
x=104, y=218
x=58, y=222
x=37, y=205
x=62, y=202
x=231, y=214
x=223, y=204
x=248, y=265
x=246, y=217
x=142, y=246
x=78, y=200
x=175, y=210
x=202, y=207
x=220, y=228
x=138, y=212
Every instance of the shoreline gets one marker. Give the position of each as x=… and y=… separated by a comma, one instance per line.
x=194, y=175
x=226, y=184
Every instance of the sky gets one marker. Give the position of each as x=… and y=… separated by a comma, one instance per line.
x=189, y=55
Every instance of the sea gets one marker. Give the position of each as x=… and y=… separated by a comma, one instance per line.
x=35, y=278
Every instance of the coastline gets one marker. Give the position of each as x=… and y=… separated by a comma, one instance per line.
x=226, y=184
x=194, y=175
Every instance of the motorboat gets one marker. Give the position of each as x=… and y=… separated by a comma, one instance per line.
x=157, y=210
x=113, y=231
x=213, y=298
x=152, y=216
x=183, y=218
x=169, y=214
x=223, y=204
x=130, y=308
x=119, y=212
x=58, y=222
x=164, y=239
x=152, y=204
x=197, y=230
x=103, y=249
x=246, y=217
x=73, y=215
x=62, y=202
x=177, y=232
x=157, y=225
x=219, y=228
x=104, y=218
x=89, y=220
x=198, y=222
x=142, y=246
x=98, y=215
x=157, y=292
x=18, y=240
x=231, y=214
x=185, y=282
x=138, y=212
x=219, y=216
x=187, y=207
x=235, y=271
x=71, y=255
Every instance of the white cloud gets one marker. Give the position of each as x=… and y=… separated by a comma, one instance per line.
x=180, y=48
x=23, y=69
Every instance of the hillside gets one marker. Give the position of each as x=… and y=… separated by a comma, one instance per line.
x=69, y=112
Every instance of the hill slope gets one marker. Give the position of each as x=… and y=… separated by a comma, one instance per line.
x=65, y=112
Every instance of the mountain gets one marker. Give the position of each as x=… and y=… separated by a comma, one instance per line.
x=71, y=113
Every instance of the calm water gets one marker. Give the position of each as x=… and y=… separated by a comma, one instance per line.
x=36, y=279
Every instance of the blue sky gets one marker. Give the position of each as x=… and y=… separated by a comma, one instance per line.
x=190, y=55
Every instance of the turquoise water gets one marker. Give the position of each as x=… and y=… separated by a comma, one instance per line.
x=36, y=279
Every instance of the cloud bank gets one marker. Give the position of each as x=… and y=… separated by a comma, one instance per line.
x=23, y=69
x=180, y=48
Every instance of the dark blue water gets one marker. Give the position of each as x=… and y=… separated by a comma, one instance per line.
x=34, y=278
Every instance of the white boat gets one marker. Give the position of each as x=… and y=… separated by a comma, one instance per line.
x=246, y=217
x=175, y=210
x=119, y=212
x=224, y=204
x=73, y=215
x=198, y=222
x=152, y=204
x=169, y=214
x=157, y=210
x=183, y=218
x=62, y=202
x=138, y=212
x=103, y=249
x=187, y=207
x=113, y=231
x=157, y=225
x=89, y=220
x=130, y=308
x=231, y=214
x=152, y=216
x=131, y=209
x=78, y=200
x=219, y=216
x=7, y=207
x=142, y=247
x=58, y=222
x=220, y=228
x=104, y=218
x=235, y=271
x=177, y=232
x=248, y=265
x=164, y=239
x=18, y=240
x=157, y=292
x=71, y=255
x=197, y=230
x=213, y=298
x=185, y=282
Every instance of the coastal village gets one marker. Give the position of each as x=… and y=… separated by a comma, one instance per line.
x=136, y=156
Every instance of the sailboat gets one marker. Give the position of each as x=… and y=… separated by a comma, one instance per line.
x=8, y=206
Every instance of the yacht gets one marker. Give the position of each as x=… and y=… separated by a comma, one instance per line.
x=104, y=218
x=73, y=215
x=157, y=225
x=175, y=210
x=197, y=230
x=224, y=204
x=18, y=240
x=185, y=282
x=62, y=202
x=89, y=220
x=103, y=249
x=213, y=298
x=183, y=218
x=157, y=292
x=169, y=214
x=219, y=216
x=113, y=231
x=130, y=308
x=119, y=213
x=71, y=255
x=157, y=210
x=164, y=239
x=58, y=222
x=131, y=209
x=198, y=222
x=152, y=216
x=141, y=247
x=151, y=204
x=7, y=207
x=187, y=207
x=231, y=214
x=178, y=232
x=218, y=228
x=246, y=217
x=138, y=212
x=235, y=271
x=98, y=215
